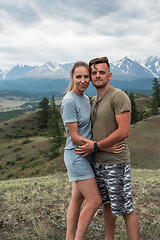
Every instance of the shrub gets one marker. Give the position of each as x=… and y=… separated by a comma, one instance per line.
x=8, y=162
x=34, y=172
x=33, y=164
x=43, y=152
x=23, y=166
x=35, y=132
x=9, y=135
x=26, y=135
x=9, y=175
x=17, y=149
x=32, y=159
x=26, y=141
x=18, y=158
x=18, y=135
x=12, y=163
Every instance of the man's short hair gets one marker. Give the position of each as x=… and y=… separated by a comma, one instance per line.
x=99, y=60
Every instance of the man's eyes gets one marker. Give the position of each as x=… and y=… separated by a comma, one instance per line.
x=100, y=72
x=93, y=73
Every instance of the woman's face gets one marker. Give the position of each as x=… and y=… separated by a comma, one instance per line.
x=81, y=79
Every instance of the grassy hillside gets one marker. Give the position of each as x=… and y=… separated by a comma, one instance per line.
x=36, y=208
x=24, y=149
x=144, y=143
x=35, y=191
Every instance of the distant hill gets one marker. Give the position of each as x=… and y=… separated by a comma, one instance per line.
x=59, y=86
x=24, y=147
x=128, y=74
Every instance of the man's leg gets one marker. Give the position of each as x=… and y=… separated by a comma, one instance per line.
x=110, y=221
x=102, y=174
x=132, y=225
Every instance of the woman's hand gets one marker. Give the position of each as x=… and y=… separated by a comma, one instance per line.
x=117, y=148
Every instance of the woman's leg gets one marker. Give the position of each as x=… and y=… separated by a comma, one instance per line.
x=73, y=212
x=89, y=190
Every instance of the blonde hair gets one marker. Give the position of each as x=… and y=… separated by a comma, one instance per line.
x=76, y=64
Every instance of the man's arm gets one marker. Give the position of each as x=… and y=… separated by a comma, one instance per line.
x=122, y=132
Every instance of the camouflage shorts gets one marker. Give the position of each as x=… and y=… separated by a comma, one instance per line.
x=114, y=183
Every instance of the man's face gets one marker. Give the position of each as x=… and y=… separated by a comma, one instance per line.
x=100, y=75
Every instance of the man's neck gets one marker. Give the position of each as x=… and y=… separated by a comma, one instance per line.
x=102, y=91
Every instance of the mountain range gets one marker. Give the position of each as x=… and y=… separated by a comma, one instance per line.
x=127, y=69
x=129, y=75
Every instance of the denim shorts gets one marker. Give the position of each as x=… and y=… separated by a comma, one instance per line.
x=78, y=168
x=114, y=183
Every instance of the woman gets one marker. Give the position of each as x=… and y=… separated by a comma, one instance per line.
x=75, y=111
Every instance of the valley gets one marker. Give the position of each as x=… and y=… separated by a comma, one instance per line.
x=8, y=105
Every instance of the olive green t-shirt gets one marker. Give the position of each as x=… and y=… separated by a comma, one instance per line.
x=103, y=116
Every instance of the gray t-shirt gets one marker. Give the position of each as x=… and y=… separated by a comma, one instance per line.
x=76, y=108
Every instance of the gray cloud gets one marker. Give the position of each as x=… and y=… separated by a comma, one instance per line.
x=21, y=12
x=36, y=31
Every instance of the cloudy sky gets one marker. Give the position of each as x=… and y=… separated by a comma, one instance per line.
x=33, y=32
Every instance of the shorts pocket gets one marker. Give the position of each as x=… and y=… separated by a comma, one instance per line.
x=79, y=165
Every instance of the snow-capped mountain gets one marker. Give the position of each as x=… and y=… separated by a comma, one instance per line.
x=153, y=65
x=15, y=72
x=50, y=70
x=131, y=68
x=128, y=68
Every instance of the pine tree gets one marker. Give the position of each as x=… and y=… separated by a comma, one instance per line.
x=53, y=107
x=43, y=112
x=156, y=91
x=154, y=107
x=57, y=134
x=134, y=113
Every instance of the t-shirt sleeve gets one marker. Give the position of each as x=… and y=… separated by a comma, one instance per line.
x=68, y=111
x=121, y=102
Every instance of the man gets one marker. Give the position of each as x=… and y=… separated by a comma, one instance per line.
x=110, y=115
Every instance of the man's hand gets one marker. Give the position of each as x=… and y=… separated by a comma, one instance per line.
x=87, y=148
x=116, y=148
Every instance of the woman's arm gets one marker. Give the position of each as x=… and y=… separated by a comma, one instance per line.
x=73, y=130
x=77, y=139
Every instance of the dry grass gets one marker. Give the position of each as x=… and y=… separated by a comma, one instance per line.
x=19, y=160
x=35, y=208
x=144, y=143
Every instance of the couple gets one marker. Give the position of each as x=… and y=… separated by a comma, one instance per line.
x=109, y=165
